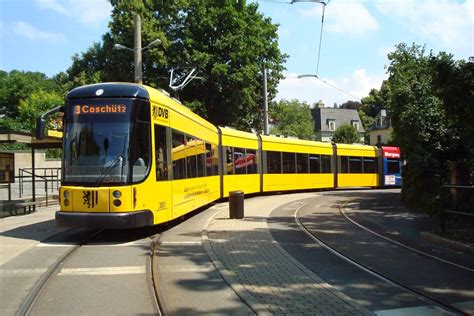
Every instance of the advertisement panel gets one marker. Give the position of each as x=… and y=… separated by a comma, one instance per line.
x=7, y=168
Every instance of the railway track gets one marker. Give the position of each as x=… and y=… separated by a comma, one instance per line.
x=34, y=296
x=426, y=297
x=393, y=241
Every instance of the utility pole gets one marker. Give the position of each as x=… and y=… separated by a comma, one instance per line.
x=138, y=50
x=265, y=102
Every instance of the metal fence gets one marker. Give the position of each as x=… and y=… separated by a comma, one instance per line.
x=46, y=184
x=457, y=203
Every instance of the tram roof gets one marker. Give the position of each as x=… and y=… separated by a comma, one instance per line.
x=110, y=90
x=295, y=141
x=228, y=131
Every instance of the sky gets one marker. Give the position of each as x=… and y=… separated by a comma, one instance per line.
x=357, y=35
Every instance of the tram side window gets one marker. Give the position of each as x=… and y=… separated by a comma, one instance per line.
x=229, y=153
x=240, y=161
x=355, y=164
x=302, y=163
x=192, y=152
x=208, y=160
x=369, y=165
x=289, y=163
x=201, y=158
x=178, y=155
x=161, y=154
x=273, y=162
x=344, y=164
x=251, y=161
x=326, y=164
x=393, y=166
x=141, y=151
x=314, y=164
x=215, y=160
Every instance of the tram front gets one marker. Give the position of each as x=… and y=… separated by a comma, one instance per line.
x=106, y=154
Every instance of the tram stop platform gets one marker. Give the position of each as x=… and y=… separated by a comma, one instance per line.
x=242, y=270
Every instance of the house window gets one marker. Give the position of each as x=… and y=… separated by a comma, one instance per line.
x=379, y=122
x=379, y=139
x=356, y=125
x=332, y=125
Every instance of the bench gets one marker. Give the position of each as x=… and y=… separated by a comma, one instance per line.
x=26, y=206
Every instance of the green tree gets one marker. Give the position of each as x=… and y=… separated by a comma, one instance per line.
x=367, y=123
x=17, y=85
x=227, y=41
x=453, y=83
x=430, y=102
x=351, y=105
x=376, y=100
x=36, y=104
x=292, y=118
x=346, y=134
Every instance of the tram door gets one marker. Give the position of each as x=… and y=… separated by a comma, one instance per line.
x=162, y=198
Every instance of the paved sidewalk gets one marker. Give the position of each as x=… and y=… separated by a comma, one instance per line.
x=22, y=232
x=264, y=275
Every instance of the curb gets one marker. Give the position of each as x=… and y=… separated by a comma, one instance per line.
x=446, y=242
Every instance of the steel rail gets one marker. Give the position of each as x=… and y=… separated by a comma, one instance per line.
x=341, y=209
x=155, y=243
x=33, y=294
x=425, y=297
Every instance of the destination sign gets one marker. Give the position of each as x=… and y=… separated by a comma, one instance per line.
x=391, y=155
x=99, y=109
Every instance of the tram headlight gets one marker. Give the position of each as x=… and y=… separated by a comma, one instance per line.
x=117, y=194
x=66, y=194
x=117, y=203
x=66, y=202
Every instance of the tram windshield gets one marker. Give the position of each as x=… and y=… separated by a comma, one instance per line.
x=97, y=143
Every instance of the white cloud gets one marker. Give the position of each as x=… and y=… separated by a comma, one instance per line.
x=353, y=87
x=29, y=31
x=359, y=83
x=447, y=21
x=348, y=18
x=52, y=5
x=91, y=11
x=86, y=11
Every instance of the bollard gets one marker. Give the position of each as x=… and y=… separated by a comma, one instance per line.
x=236, y=204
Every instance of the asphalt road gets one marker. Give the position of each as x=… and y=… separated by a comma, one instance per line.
x=322, y=217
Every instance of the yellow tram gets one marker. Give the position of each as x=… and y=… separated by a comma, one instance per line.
x=134, y=157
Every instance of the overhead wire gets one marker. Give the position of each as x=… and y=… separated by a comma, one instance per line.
x=321, y=36
x=337, y=88
x=319, y=48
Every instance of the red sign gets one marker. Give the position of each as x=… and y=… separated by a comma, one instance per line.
x=391, y=152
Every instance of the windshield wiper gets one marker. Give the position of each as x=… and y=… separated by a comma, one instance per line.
x=107, y=171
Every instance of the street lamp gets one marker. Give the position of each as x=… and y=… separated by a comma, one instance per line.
x=307, y=76
x=317, y=1
x=138, y=49
x=120, y=46
x=322, y=23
